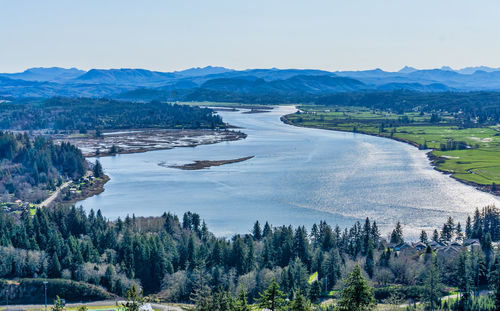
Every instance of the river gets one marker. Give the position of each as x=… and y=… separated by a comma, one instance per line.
x=298, y=176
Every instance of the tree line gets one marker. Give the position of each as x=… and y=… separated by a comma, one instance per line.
x=470, y=109
x=83, y=114
x=180, y=260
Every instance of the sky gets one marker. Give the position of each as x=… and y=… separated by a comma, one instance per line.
x=168, y=35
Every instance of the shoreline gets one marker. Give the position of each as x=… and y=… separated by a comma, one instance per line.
x=431, y=157
x=95, y=190
x=96, y=187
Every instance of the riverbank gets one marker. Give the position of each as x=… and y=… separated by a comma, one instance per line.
x=81, y=192
x=72, y=191
x=423, y=136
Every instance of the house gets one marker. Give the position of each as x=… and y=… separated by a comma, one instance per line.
x=449, y=251
x=436, y=245
x=474, y=245
x=468, y=242
x=419, y=246
x=403, y=247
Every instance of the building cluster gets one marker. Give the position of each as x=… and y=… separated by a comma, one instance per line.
x=441, y=248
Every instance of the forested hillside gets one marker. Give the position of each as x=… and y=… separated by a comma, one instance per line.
x=176, y=259
x=89, y=114
x=29, y=168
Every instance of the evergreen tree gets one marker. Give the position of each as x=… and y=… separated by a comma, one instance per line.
x=369, y=263
x=468, y=228
x=97, y=170
x=241, y=302
x=107, y=279
x=486, y=245
x=202, y=297
x=300, y=303
x=301, y=245
x=331, y=269
x=250, y=261
x=367, y=235
x=435, y=235
x=267, y=230
x=239, y=255
x=464, y=277
x=272, y=298
x=315, y=235
x=397, y=234
x=494, y=280
x=257, y=232
x=223, y=301
x=54, y=266
x=315, y=292
x=375, y=235
x=460, y=234
x=356, y=295
x=191, y=258
x=448, y=230
x=479, y=269
x=134, y=300
x=423, y=237
x=204, y=231
x=477, y=227
x=432, y=288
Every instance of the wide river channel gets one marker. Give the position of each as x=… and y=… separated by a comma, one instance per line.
x=298, y=176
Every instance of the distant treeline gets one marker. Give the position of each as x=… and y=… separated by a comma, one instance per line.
x=31, y=167
x=470, y=108
x=89, y=114
x=175, y=258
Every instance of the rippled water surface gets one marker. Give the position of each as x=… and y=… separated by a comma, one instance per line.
x=298, y=176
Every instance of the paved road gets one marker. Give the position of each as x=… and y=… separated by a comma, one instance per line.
x=54, y=195
x=51, y=199
x=103, y=304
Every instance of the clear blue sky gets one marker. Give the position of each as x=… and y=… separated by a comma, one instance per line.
x=171, y=35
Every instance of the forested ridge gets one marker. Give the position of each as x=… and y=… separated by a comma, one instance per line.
x=62, y=113
x=29, y=167
x=178, y=260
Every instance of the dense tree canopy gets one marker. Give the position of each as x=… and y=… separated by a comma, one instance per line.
x=183, y=261
x=29, y=167
x=88, y=114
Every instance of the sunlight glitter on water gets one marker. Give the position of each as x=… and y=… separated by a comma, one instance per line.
x=298, y=176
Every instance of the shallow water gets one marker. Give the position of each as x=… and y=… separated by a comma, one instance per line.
x=298, y=176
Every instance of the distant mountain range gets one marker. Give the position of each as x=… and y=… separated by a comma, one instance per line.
x=219, y=82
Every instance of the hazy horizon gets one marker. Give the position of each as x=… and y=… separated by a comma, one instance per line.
x=215, y=66
x=169, y=36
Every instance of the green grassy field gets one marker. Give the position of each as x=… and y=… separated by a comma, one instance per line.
x=477, y=160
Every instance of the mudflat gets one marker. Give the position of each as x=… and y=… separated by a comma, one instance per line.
x=142, y=140
x=198, y=165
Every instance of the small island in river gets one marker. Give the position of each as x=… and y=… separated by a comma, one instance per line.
x=198, y=165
